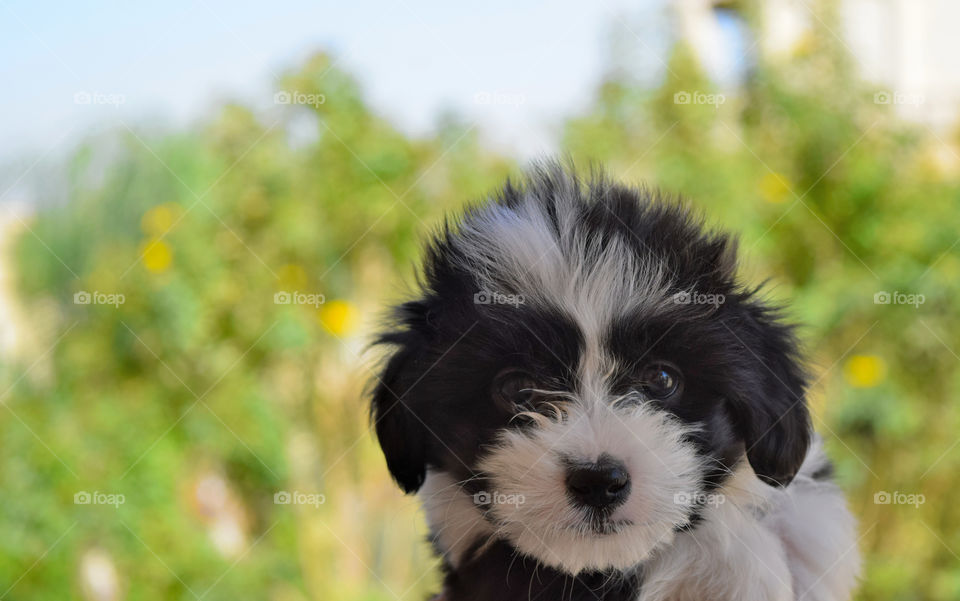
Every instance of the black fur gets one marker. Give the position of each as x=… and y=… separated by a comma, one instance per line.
x=497, y=572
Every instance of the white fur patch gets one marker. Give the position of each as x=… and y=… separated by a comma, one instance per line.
x=819, y=535
x=730, y=555
x=546, y=525
x=454, y=519
x=763, y=544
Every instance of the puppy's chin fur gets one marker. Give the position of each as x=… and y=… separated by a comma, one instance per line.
x=527, y=474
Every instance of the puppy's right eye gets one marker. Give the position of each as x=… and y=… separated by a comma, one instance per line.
x=514, y=387
x=661, y=380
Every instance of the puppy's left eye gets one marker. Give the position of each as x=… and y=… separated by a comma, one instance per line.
x=660, y=380
x=514, y=387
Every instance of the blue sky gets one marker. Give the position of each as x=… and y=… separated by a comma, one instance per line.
x=172, y=62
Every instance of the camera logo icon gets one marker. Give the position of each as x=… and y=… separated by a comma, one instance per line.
x=681, y=97
x=281, y=98
x=482, y=498
x=82, y=298
x=881, y=298
x=82, y=98
x=281, y=298
x=681, y=298
x=683, y=498
x=882, y=498
x=82, y=498
x=282, y=498
x=882, y=97
x=482, y=297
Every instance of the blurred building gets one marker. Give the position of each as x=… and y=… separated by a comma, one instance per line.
x=908, y=48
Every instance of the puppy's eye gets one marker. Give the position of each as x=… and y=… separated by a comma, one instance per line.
x=514, y=387
x=660, y=380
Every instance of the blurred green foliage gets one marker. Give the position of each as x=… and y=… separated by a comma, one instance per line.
x=200, y=397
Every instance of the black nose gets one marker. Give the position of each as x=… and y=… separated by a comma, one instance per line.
x=603, y=484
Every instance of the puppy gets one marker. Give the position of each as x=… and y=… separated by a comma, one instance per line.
x=591, y=406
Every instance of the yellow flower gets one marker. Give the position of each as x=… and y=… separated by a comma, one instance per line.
x=865, y=371
x=340, y=317
x=774, y=188
x=158, y=220
x=157, y=255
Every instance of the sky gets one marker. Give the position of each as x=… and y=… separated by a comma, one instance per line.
x=515, y=68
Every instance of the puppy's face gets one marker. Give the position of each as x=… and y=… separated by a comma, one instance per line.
x=583, y=365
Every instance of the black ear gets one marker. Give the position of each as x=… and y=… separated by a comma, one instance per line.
x=771, y=409
x=401, y=433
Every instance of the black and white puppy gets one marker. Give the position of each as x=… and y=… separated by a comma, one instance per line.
x=591, y=406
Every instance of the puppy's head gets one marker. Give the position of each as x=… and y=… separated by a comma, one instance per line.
x=583, y=364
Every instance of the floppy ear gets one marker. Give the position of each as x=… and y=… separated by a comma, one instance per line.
x=772, y=411
x=402, y=436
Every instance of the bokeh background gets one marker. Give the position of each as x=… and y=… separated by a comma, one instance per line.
x=206, y=205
